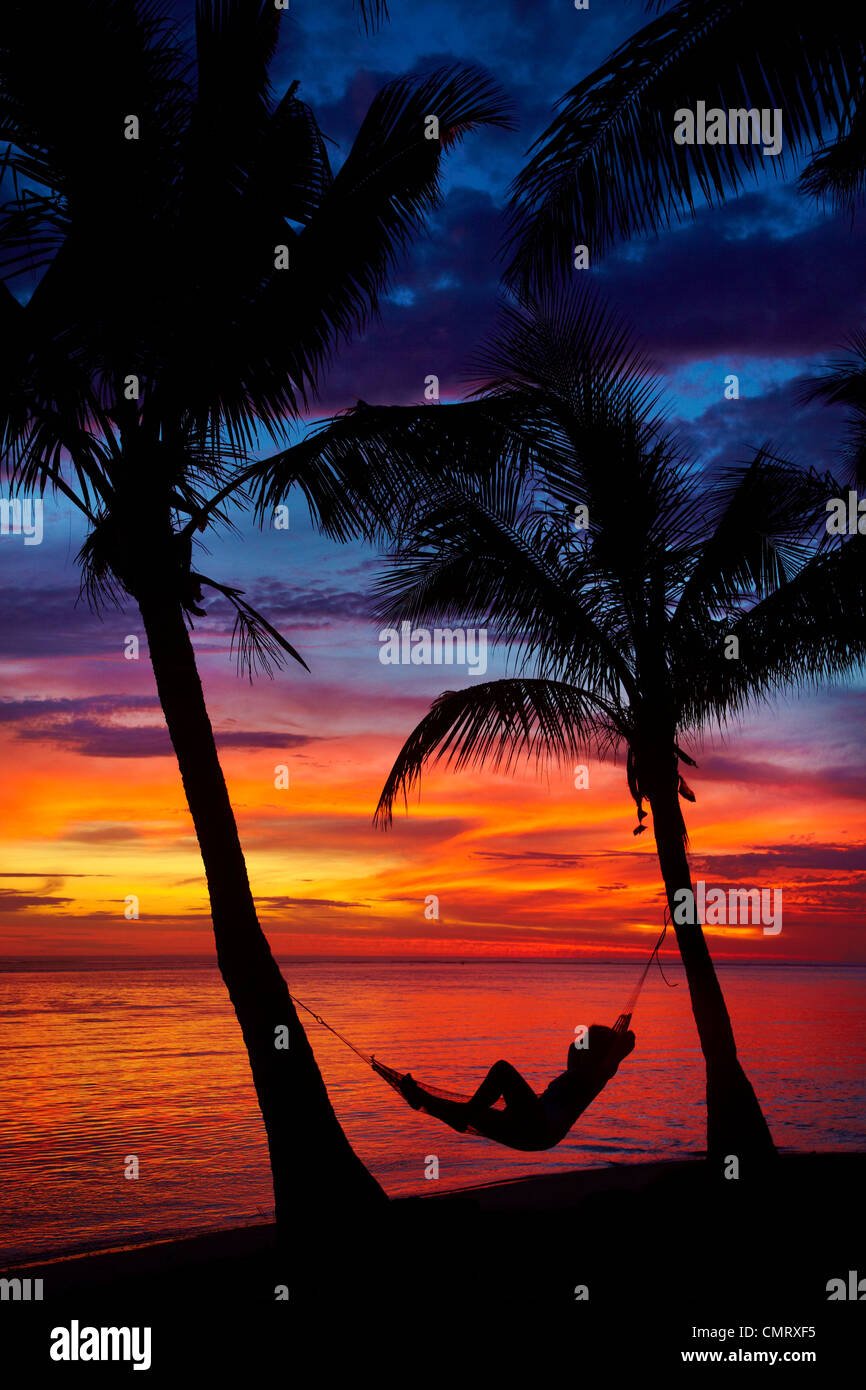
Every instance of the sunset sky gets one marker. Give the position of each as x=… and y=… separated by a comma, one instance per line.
x=767, y=287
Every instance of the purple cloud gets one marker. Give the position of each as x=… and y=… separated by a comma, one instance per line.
x=840, y=779
x=76, y=724
x=13, y=900
x=845, y=858
x=47, y=621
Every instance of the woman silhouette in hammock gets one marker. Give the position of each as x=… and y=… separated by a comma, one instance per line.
x=529, y=1122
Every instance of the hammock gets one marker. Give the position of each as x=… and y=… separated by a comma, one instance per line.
x=396, y=1078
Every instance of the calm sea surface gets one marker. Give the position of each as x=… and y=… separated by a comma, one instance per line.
x=101, y=1063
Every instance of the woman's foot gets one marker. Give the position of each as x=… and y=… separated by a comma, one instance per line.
x=411, y=1091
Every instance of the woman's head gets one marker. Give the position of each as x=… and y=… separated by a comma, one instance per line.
x=598, y=1040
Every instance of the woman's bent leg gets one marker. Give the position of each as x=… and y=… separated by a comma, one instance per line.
x=504, y=1080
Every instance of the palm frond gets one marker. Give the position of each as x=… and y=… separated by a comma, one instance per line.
x=843, y=382
x=99, y=585
x=32, y=228
x=567, y=346
x=809, y=632
x=63, y=102
x=496, y=724
x=478, y=556
x=258, y=646
x=754, y=526
x=235, y=43
x=372, y=13
x=365, y=471
x=837, y=173
x=291, y=171
x=608, y=166
x=387, y=185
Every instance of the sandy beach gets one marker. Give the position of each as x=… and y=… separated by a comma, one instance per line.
x=612, y=1256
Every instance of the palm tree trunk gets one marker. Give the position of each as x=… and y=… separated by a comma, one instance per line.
x=735, y=1122
x=312, y=1162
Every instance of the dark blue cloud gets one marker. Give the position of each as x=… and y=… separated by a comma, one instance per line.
x=728, y=432
x=741, y=280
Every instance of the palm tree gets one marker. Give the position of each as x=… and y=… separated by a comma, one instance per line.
x=618, y=631
x=608, y=168
x=157, y=198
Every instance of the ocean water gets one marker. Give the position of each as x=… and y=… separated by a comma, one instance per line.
x=99, y=1063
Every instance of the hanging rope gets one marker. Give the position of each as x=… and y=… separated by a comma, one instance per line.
x=365, y=1057
x=625, y=1018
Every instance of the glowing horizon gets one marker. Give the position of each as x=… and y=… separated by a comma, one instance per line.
x=522, y=865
